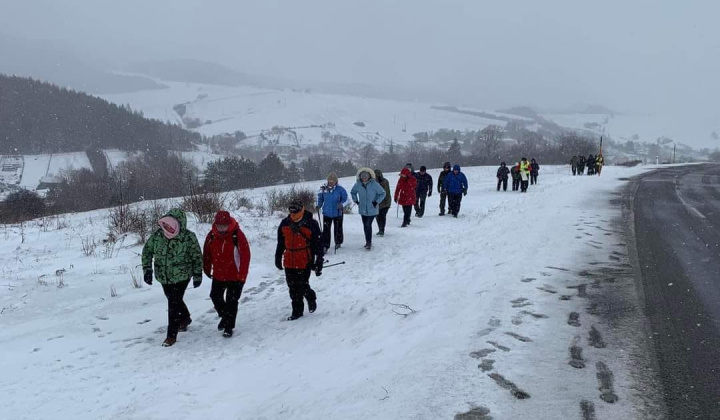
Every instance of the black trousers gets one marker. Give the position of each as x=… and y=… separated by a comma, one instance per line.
x=328, y=223
x=225, y=296
x=574, y=170
x=455, y=200
x=502, y=181
x=581, y=169
x=407, y=214
x=516, y=184
x=533, y=178
x=367, y=228
x=298, y=282
x=382, y=219
x=420, y=205
x=523, y=186
x=443, y=197
x=178, y=312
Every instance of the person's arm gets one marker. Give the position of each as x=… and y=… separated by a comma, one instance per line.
x=320, y=199
x=354, y=194
x=196, y=256
x=379, y=194
x=207, y=256
x=280, y=249
x=244, y=250
x=148, y=253
x=430, y=186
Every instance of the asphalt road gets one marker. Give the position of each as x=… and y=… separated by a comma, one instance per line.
x=676, y=213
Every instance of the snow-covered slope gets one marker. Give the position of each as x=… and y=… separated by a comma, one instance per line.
x=225, y=109
x=494, y=287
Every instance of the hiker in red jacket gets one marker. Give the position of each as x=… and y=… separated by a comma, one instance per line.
x=226, y=260
x=405, y=194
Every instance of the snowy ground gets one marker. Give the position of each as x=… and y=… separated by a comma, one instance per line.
x=493, y=288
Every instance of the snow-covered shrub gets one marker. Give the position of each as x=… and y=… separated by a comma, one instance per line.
x=279, y=199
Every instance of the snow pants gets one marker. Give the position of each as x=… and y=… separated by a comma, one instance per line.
x=382, y=219
x=407, y=213
x=502, y=181
x=523, y=186
x=367, y=228
x=443, y=197
x=225, y=296
x=516, y=184
x=178, y=312
x=298, y=282
x=574, y=170
x=328, y=224
x=533, y=178
x=420, y=205
x=455, y=200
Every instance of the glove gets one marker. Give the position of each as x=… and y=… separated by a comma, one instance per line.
x=464, y=192
x=278, y=262
x=374, y=203
x=197, y=281
x=429, y=193
x=318, y=266
x=148, y=277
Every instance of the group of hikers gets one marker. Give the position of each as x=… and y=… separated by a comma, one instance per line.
x=522, y=173
x=172, y=255
x=594, y=164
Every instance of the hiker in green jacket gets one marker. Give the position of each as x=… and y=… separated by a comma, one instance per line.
x=177, y=257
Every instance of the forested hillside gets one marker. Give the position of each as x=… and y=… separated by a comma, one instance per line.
x=38, y=117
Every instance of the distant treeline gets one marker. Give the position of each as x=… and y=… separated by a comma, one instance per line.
x=38, y=117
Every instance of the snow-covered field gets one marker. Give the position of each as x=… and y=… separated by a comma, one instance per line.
x=253, y=110
x=492, y=289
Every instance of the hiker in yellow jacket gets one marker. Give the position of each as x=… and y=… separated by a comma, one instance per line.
x=524, y=174
x=599, y=162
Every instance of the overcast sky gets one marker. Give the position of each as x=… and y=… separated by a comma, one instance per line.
x=631, y=55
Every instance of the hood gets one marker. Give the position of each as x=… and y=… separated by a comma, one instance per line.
x=231, y=227
x=333, y=177
x=368, y=170
x=178, y=215
x=456, y=167
x=378, y=174
x=406, y=172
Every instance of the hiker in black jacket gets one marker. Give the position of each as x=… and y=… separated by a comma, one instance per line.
x=441, y=189
x=515, y=173
x=502, y=176
x=423, y=190
x=534, y=170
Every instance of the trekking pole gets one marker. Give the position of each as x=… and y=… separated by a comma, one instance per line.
x=333, y=265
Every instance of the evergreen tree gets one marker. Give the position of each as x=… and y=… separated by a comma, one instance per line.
x=271, y=169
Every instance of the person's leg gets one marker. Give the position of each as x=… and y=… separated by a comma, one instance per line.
x=308, y=292
x=294, y=278
x=217, y=295
x=339, y=235
x=234, y=291
x=459, y=202
x=367, y=228
x=417, y=206
x=498, y=184
x=505, y=184
x=327, y=226
x=443, y=198
x=421, y=202
x=407, y=212
x=382, y=220
x=452, y=198
x=177, y=311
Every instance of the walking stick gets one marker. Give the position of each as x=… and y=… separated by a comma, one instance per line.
x=333, y=265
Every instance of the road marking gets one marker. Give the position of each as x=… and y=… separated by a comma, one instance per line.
x=685, y=203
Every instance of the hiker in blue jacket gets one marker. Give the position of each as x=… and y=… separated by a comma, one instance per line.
x=456, y=185
x=331, y=199
x=367, y=195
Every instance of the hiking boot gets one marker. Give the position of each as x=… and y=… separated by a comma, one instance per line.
x=183, y=326
x=293, y=317
x=404, y=225
x=312, y=306
x=221, y=325
x=455, y=215
x=228, y=333
x=442, y=213
x=381, y=233
x=368, y=246
x=338, y=246
x=169, y=341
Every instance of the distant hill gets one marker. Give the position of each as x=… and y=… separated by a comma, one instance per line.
x=61, y=66
x=38, y=117
x=196, y=71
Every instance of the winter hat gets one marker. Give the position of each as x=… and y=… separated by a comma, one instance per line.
x=295, y=205
x=502, y=163
x=223, y=218
x=409, y=166
x=332, y=177
x=378, y=174
x=423, y=169
x=446, y=165
x=456, y=167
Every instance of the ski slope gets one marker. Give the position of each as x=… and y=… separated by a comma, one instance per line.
x=493, y=288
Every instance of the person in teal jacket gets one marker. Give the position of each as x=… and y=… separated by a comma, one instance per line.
x=367, y=195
